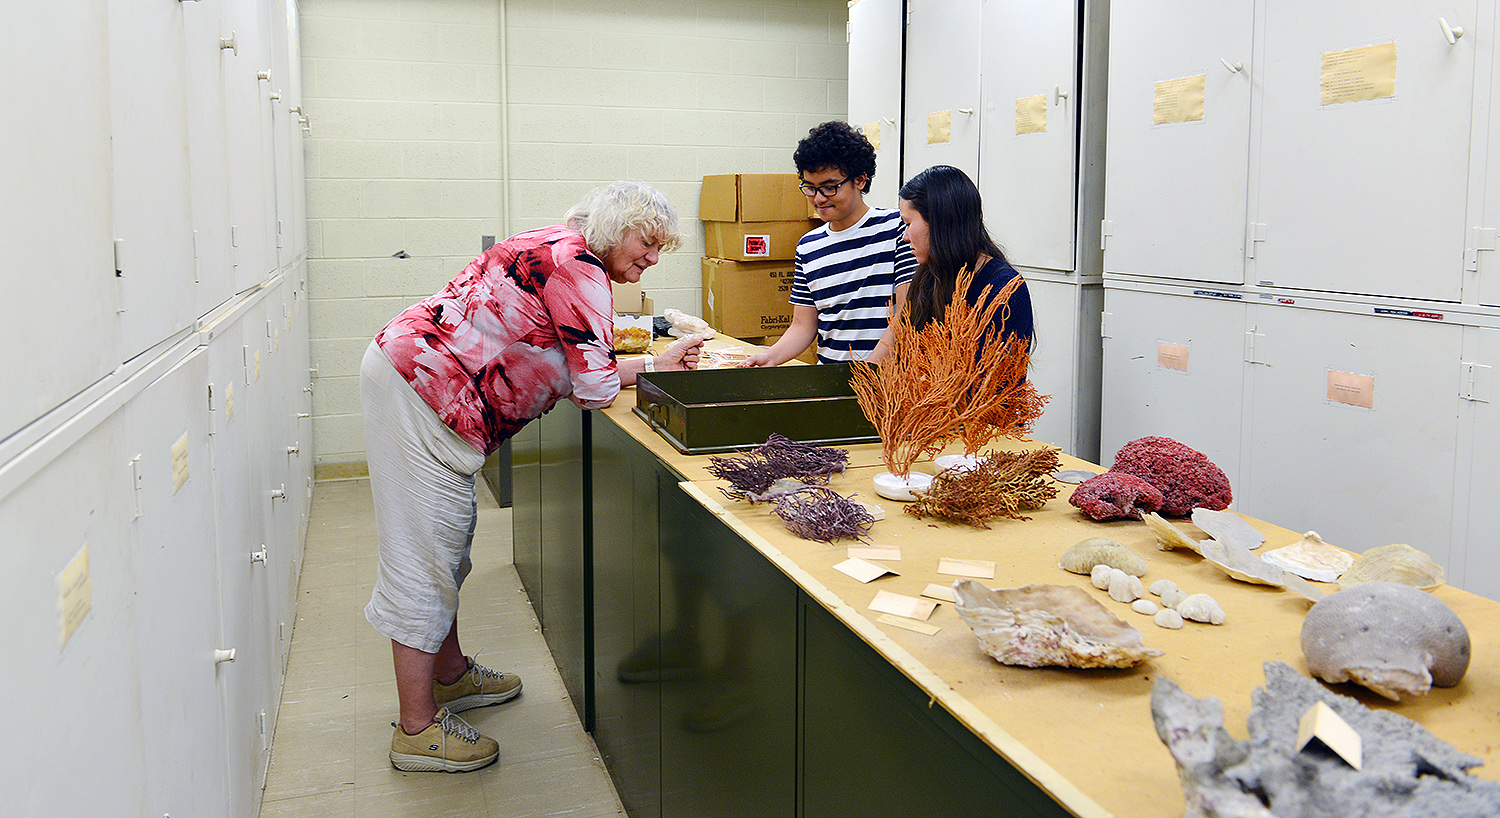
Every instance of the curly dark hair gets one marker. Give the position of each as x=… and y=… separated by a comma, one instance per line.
x=836, y=145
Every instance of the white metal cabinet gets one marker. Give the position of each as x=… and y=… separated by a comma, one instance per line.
x=1476, y=568
x=942, y=78
x=1361, y=477
x=1175, y=193
x=252, y=186
x=60, y=290
x=875, y=29
x=176, y=584
x=1062, y=363
x=1174, y=366
x=153, y=224
x=208, y=65
x=1482, y=278
x=1028, y=179
x=1365, y=196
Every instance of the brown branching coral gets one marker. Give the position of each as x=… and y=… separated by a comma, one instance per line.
x=1003, y=484
x=956, y=378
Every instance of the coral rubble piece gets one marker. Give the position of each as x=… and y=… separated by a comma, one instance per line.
x=1081, y=558
x=1048, y=625
x=1186, y=478
x=1394, y=639
x=1115, y=496
x=1311, y=558
x=1398, y=562
x=1406, y=772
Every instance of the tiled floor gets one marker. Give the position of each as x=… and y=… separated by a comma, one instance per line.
x=328, y=757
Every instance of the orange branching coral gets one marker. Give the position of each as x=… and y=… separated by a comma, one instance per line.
x=953, y=379
x=1001, y=485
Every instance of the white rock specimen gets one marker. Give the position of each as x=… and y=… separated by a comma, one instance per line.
x=1100, y=576
x=1406, y=772
x=1048, y=625
x=1081, y=558
x=1311, y=558
x=1168, y=618
x=1161, y=585
x=1124, y=587
x=1394, y=563
x=1392, y=638
x=684, y=324
x=1226, y=526
x=1202, y=608
x=1169, y=536
x=1173, y=597
x=1144, y=606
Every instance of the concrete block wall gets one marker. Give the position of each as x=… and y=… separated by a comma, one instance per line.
x=436, y=122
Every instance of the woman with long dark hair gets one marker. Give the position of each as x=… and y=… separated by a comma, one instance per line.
x=945, y=227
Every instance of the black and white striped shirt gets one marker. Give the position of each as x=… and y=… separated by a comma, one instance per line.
x=850, y=276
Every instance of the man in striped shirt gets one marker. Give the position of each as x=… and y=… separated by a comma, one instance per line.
x=850, y=271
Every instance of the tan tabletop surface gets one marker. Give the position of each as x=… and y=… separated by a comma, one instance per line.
x=1084, y=735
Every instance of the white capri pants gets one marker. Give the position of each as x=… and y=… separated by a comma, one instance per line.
x=422, y=479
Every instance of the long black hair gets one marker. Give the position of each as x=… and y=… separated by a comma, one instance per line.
x=949, y=202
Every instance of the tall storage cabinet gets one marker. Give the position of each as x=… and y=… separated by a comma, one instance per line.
x=152, y=480
x=1300, y=212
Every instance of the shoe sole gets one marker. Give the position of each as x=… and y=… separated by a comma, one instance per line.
x=407, y=762
x=474, y=700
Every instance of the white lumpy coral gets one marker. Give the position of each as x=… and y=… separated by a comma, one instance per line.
x=1124, y=587
x=1391, y=638
x=1202, y=608
x=1173, y=597
x=1048, y=625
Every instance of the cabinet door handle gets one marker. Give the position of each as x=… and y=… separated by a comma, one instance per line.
x=1234, y=67
x=1451, y=32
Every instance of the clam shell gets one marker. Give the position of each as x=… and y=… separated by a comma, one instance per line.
x=1312, y=558
x=1398, y=562
x=1048, y=625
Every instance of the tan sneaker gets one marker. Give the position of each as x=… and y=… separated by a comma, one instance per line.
x=478, y=687
x=449, y=744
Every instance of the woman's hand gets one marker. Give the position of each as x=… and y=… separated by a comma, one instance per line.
x=762, y=358
x=681, y=354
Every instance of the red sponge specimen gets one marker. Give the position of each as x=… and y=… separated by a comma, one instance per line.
x=1185, y=477
x=1116, y=495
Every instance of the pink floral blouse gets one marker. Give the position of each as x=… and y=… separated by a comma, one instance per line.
x=529, y=322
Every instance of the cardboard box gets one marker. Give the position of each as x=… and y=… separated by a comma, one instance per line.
x=754, y=241
x=747, y=299
x=753, y=197
x=630, y=299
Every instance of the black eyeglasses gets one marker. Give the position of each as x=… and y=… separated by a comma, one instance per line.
x=827, y=190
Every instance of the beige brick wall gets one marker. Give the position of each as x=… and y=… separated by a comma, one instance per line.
x=406, y=104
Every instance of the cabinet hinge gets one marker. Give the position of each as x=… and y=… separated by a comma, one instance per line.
x=1256, y=233
x=1474, y=381
x=1106, y=229
x=1104, y=325
x=1253, y=347
x=1484, y=239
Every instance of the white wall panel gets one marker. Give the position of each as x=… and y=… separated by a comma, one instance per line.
x=1175, y=193
x=1028, y=180
x=1477, y=567
x=55, y=215
x=1053, y=358
x=875, y=28
x=1144, y=396
x=1359, y=477
x=942, y=76
x=1365, y=196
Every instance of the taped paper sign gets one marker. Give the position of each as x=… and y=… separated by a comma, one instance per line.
x=1179, y=100
x=1172, y=356
x=1356, y=74
x=1351, y=388
x=872, y=133
x=1031, y=114
x=939, y=127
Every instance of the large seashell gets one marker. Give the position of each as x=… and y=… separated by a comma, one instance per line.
x=1081, y=558
x=1392, y=638
x=1048, y=625
x=1312, y=558
x=1398, y=562
x=1169, y=536
x=1226, y=526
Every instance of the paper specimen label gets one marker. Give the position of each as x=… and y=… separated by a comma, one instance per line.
x=939, y=127
x=1322, y=723
x=875, y=552
x=1179, y=100
x=943, y=592
x=910, y=607
x=1172, y=356
x=1356, y=74
x=179, y=462
x=861, y=570
x=978, y=569
x=908, y=624
x=872, y=133
x=75, y=595
x=1351, y=388
x=1031, y=114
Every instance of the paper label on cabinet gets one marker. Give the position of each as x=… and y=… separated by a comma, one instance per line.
x=179, y=462
x=1031, y=114
x=1179, y=100
x=229, y=402
x=861, y=570
x=1172, y=356
x=978, y=569
x=910, y=607
x=939, y=127
x=872, y=133
x=1351, y=388
x=75, y=595
x=1357, y=74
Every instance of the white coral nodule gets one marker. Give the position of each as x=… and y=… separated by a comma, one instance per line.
x=1042, y=625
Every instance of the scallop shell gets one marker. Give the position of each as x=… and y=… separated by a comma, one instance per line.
x=1048, y=625
x=1389, y=637
x=1312, y=558
x=1168, y=536
x=1226, y=526
x=1239, y=563
x=1398, y=562
x=1081, y=558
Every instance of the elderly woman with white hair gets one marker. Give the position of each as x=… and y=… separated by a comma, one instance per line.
x=529, y=322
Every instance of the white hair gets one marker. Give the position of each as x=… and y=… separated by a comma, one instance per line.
x=607, y=213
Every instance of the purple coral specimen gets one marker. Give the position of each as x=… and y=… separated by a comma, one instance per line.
x=1186, y=478
x=1114, y=495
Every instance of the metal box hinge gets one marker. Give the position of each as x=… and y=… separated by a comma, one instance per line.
x=1253, y=236
x=1104, y=325
x=1253, y=347
x=1474, y=381
x=1106, y=229
x=137, y=483
x=1484, y=239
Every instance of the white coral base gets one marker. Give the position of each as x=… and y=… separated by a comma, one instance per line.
x=895, y=487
